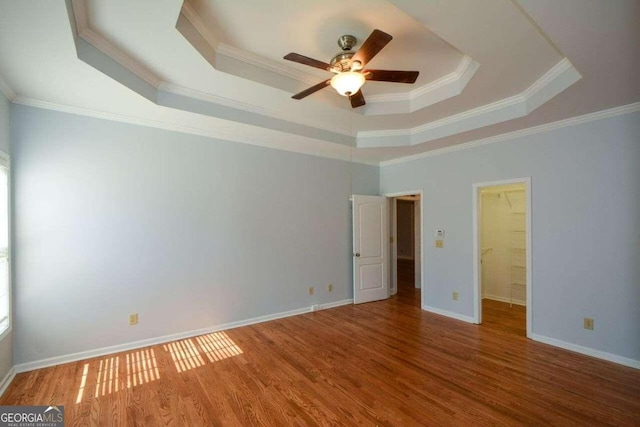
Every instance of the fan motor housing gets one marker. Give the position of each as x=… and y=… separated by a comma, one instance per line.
x=342, y=61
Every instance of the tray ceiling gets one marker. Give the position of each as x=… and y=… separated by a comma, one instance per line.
x=215, y=67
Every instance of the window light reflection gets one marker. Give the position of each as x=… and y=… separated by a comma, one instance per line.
x=218, y=346
x=107, y=381
x=141, y=367
x=185, y=355
x=83, y=382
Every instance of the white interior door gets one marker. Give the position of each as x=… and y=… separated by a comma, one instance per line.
x=370, y=249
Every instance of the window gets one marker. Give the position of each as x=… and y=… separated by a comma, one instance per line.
x=5, y=295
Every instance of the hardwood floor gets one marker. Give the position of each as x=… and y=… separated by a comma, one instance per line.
x=383, y=363
x=499, y=316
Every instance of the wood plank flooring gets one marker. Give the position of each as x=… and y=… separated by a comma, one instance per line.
x=383, y=363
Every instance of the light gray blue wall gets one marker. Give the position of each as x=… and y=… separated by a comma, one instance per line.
x=187, y=231
x=585, y=230
x=6, y=346
x=4, y=124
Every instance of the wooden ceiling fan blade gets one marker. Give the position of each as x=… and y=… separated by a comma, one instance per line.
x=305, y=60
x=371, y=46
x=311, y=90
x=393, y=76
x=357, y=100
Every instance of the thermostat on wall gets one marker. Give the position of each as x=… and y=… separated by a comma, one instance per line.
x=438, y=234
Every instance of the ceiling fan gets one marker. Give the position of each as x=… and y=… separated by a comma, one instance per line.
x=349, y=70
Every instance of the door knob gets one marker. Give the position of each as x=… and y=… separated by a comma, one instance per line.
x=357, y=254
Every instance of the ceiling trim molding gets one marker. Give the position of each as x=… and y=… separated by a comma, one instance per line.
x=431, y=93
x=466, y=65
x=547, y=78
x=558, y=78
x=80, y=13
x=193, y=17
x=331, y=151
x=232, y=103
x=266, y=64
x=8, y=92
x=573, y=121
x=221, y=48
x=216, y=99
x=106, y=47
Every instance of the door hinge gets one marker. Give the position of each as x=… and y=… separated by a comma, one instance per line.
x=391, y=239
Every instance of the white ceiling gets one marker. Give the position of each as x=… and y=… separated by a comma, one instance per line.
x=215, y=67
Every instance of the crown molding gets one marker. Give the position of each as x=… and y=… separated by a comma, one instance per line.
x=244, y=106
x=216, y=99
x=555, y=80
x=465, y=65
x=339, y=152
x=266, y=64
x=80, y=13
x=573, y=121
x=429, y=94
x=329, y=150
x=456, y=118
x=8, y=92
x=193, y=17
x=106, y=47
x=547, y=78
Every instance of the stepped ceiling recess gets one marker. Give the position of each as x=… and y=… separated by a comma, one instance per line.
x=216, y=68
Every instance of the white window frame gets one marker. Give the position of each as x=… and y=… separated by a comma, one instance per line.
x=5, y=162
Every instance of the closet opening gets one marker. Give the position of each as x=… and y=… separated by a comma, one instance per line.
x=503, y=256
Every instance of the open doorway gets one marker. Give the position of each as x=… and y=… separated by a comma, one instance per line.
x=502, y=255
x=406, y=247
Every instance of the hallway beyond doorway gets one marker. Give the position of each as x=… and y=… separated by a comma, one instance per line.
x=407, y=290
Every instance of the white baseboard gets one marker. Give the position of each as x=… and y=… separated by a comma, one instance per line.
x=334, y=304
x=447, y=313
x=632, y=363
x=503, y=299
x=7, y=380
x=74, y=357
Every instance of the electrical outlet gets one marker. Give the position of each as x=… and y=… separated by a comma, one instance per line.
x=439, y=243
x=455, y=295
x=133, y=319
x=588, y=323
x=310, y=290
x=330, y=287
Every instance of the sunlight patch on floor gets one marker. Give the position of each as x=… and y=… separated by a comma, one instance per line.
x=185, y=354
x=188, y=354
x=141, y=367
x=218, y=346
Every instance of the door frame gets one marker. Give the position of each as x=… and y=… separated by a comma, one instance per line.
x=477, y=274
x=393, y=261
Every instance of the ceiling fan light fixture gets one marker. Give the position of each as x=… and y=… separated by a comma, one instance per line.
x=347, y=83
